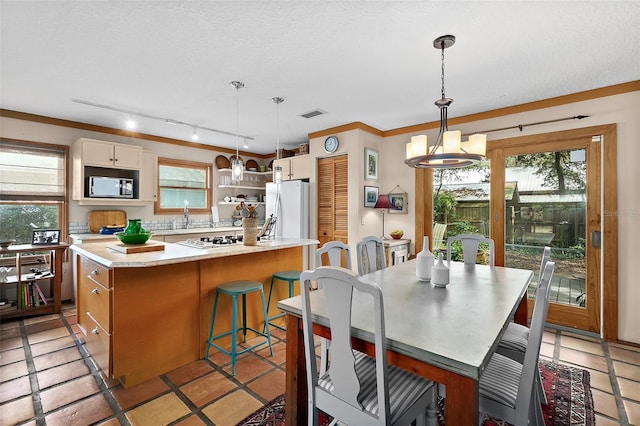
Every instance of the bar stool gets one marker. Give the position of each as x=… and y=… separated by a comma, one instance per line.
x=235, y=289
x=288, y=276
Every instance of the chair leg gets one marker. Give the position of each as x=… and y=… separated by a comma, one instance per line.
x=264, y=309
x=266, y=318
x=244, y=318
x=213, y=319
x=540, y=389
x=234, y=334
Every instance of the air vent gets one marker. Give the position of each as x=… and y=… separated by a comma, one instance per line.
x=313, y=113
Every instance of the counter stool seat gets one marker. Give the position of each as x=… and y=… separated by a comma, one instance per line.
x=235, y=289
x=290, y=276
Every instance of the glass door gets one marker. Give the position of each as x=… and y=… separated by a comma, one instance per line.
x=552, y=198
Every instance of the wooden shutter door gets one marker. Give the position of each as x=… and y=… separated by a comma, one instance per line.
x=333, y=199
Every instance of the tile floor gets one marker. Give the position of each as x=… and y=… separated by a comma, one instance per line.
x=47, y=377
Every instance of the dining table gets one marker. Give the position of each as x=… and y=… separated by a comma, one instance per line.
x=445, y=334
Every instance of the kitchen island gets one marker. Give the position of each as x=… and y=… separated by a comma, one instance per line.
x=145, y=314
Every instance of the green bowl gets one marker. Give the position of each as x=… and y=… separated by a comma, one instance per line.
x=140, y=238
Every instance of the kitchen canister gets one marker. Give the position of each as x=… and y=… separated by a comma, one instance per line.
x=250, y=231
x=424, y=261
x=440, y=273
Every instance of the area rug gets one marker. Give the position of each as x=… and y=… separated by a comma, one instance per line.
x=568, y=392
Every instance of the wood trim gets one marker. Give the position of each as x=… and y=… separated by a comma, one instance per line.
x=119, y=132
x=610, y=235
x=345, y=128
x=424, y=207
x=616, y=89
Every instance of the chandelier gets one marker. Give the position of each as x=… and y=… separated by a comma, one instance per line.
x=448, y=152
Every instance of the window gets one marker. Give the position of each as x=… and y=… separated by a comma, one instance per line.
x=183, y=183
x=32, y=189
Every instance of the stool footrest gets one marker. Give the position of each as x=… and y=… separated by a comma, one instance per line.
x=229, y=353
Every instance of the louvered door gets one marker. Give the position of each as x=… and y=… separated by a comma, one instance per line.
x=333, y=199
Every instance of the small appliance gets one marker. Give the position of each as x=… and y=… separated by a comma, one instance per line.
x=110, y=187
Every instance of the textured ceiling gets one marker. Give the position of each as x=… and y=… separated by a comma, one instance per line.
x=368, y=61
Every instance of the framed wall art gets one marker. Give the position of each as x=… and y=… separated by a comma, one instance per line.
x=370, y=196
x=371, y=164
x=41, y=237
x=399, y=201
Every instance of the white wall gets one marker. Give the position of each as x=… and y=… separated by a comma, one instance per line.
x=623, y=110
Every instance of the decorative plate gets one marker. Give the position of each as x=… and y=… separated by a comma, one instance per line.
x=270, y=167
x=222, y=162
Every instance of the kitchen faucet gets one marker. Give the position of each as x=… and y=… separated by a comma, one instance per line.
x=186, y=217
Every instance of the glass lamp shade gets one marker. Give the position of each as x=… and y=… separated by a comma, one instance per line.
x=277, y=174
x=237, y=169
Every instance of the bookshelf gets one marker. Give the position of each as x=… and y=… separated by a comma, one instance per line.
x=34, y=284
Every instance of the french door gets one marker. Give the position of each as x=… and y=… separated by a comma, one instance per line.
x=554, y=186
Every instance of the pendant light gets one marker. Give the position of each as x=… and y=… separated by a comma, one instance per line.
x=277, y=169
x=449, y=151
x=237, y=167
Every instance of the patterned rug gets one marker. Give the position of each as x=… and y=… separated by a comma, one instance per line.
x=568, y=392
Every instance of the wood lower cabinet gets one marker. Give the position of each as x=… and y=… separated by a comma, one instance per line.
x=94, y=310
x=141, y=322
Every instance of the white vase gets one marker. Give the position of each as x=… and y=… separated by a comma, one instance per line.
x=440, y=273
x=424, y=261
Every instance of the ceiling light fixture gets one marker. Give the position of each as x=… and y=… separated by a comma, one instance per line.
x=245, y=144
x=237, y=167
x=130, y=124
x=277, y=169
x=194, y=134
x=448, y=152
x=169, y=121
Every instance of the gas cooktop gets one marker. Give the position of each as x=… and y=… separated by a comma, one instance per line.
x=210, y=242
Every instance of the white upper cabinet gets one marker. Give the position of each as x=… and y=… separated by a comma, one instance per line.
x=108, y=154
x=296, y=167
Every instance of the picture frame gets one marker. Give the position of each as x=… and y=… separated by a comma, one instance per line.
x=370, y=196
x=400, y=200
x=371, y=164
x=40, y=237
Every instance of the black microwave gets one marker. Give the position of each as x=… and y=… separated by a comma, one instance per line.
x=110, y=187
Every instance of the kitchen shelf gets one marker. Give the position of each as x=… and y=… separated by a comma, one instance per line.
x=243, y=187
x=17, y=280
x=233, y=203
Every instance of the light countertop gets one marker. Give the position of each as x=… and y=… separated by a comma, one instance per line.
x=99, y=252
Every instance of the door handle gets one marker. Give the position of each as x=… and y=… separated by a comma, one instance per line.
x=596, y=239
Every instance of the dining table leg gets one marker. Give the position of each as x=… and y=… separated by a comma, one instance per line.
x=296, y=376
x=462, y=401
x=522, y=312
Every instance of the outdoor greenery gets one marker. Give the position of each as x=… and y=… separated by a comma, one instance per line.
x=16, y=220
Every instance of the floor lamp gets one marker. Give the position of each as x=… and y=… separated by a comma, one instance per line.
x=384, y=203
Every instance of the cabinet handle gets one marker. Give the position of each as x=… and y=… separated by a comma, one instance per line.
x=95, y=291
x=95, y=272
x=95, y=331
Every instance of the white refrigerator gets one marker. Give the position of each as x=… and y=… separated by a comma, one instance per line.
x=289, y=203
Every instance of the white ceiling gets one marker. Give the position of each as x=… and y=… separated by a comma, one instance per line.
x=368, y=61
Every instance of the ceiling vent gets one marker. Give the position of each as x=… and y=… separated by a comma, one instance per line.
x=313, y=113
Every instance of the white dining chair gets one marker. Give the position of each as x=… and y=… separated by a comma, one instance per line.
x=470, y=244
x=507, y=387
x=334, y=251
x=513, y=343
x=356, y=389
x=370, y=254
